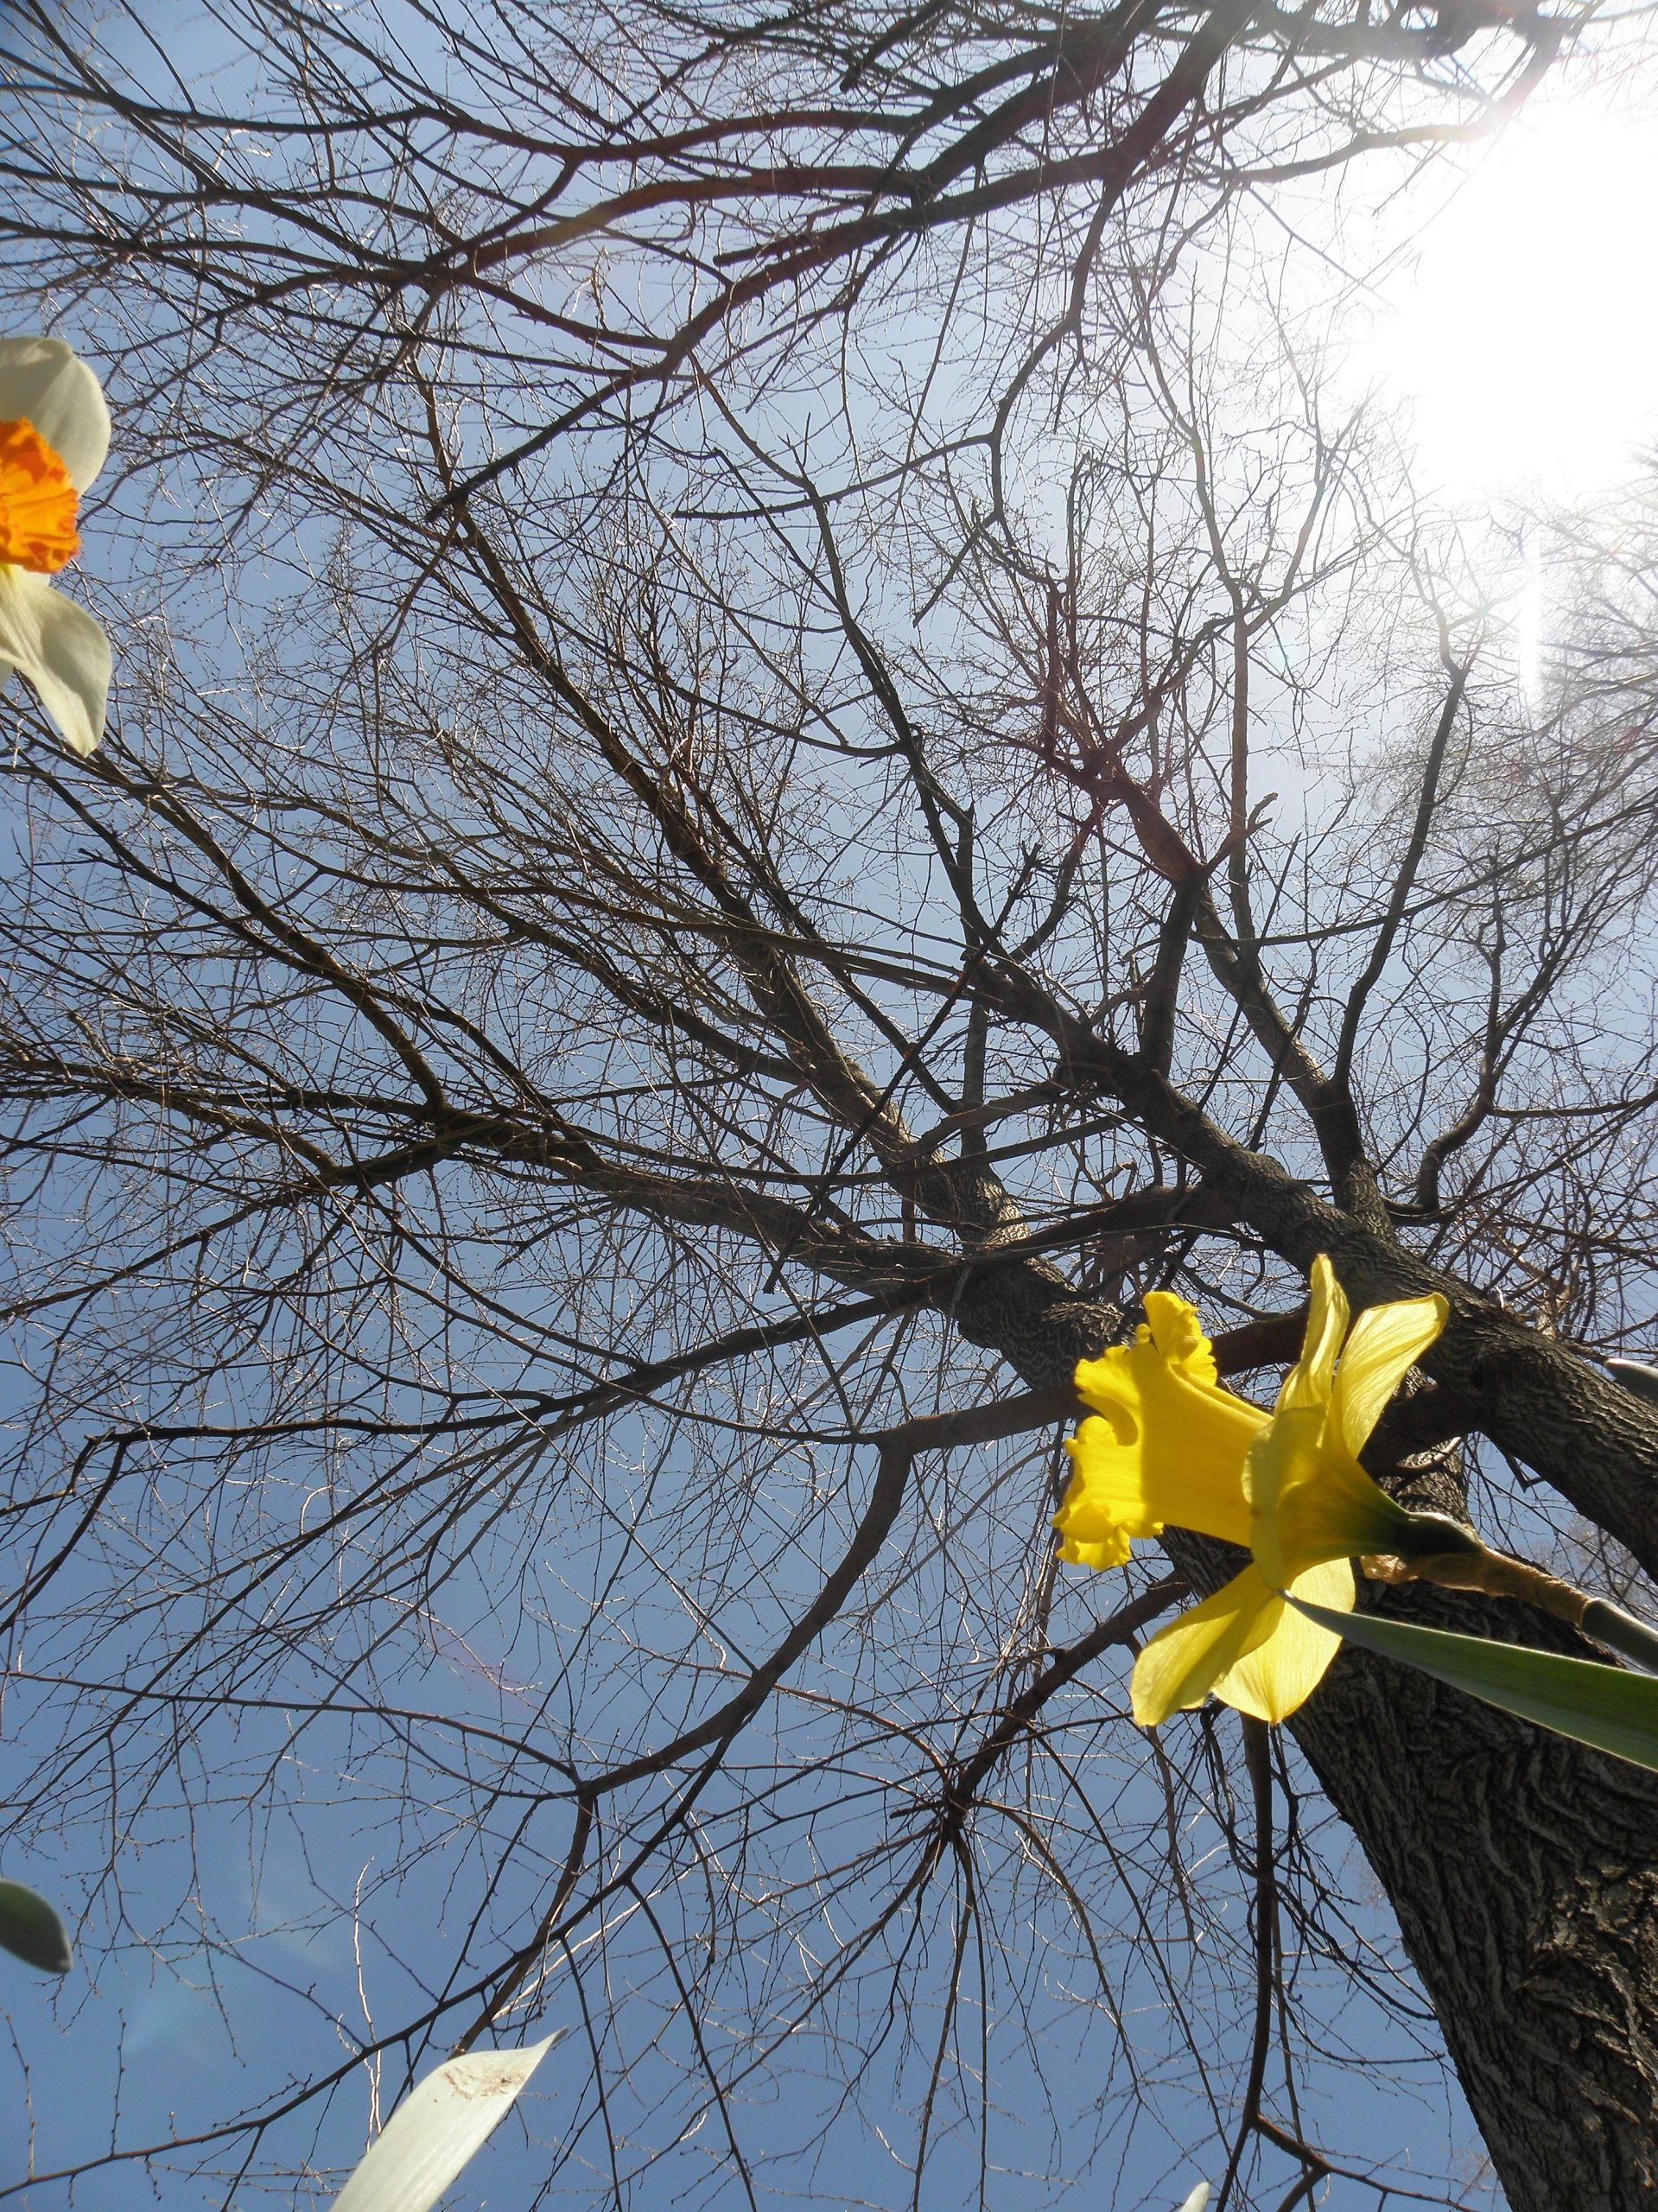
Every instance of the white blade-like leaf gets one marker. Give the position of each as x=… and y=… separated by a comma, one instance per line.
x=1603, y=1707
x=1635, y=1374
x=442, y=2120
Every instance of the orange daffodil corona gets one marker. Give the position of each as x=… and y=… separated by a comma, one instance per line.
x=54, y=433
x=1168, y=1444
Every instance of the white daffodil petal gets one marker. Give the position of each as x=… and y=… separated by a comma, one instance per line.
x=61, y=650
x=45, y=382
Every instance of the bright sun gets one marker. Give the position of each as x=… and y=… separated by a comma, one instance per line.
x=1527, y=338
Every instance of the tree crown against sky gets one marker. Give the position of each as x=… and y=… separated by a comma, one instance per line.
x=781, y=737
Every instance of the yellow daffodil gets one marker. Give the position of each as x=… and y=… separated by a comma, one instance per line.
x=54, y=433
x=1168, y=1445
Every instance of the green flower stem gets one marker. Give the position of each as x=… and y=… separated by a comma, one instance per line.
x=1465, y=1563
x=1610, y=1625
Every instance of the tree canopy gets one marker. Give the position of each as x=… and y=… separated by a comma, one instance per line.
x=785, y=730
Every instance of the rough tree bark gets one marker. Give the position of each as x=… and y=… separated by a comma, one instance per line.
x=1524, y=1872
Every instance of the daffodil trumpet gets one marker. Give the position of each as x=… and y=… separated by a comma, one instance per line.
x=55, y=435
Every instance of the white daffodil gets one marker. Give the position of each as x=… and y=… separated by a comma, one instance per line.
x=54, y=433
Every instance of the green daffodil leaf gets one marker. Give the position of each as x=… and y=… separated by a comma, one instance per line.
x=30, y=1929
x=1603, y=1707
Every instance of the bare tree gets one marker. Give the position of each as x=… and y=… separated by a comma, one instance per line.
x=773, y=751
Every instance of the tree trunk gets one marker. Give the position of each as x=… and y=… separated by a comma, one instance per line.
x=1524, y=1869
x=1524, y=1872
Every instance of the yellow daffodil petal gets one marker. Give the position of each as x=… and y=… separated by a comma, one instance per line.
x=1385, y=1345
x=1282, y=1672
x=1310, y=1381
x=1310, y=1500
x=61, y=650
x=1166, y=1442
x=1181, y=1662
x=44, y=383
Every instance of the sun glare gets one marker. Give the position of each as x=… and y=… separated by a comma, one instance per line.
x=1526, y=335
